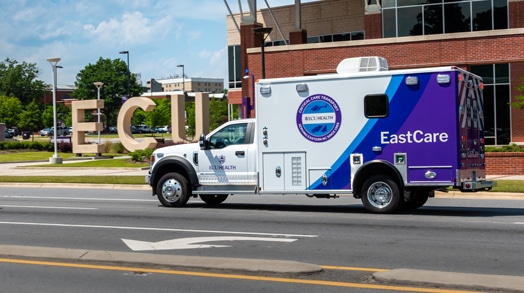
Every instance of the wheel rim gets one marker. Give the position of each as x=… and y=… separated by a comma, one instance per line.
x=171, y=190
x=379, y=194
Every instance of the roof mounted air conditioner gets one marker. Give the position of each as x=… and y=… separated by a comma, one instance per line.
x=362, y=64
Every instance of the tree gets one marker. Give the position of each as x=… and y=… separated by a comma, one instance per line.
x=519, y=100
x=114, y=74
x=19, y=80
x=10, y=110
x=63, y=115
x=161, y=115
x=30, y=118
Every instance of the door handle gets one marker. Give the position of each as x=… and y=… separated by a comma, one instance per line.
x=240, y=153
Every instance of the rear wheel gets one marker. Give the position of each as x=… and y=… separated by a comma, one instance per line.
x=213, y=199
x=381, y=195
x=173, y=190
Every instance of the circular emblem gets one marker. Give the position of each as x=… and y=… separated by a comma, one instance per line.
x=318, y=118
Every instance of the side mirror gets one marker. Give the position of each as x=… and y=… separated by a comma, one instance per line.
x=203, y=142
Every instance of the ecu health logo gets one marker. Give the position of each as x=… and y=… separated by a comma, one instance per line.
x=318, y=118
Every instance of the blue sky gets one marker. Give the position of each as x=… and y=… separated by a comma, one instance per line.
x=159, y=35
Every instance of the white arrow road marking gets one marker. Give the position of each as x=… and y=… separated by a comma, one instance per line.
x=193, y=242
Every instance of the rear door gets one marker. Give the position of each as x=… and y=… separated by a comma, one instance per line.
x=471, y=126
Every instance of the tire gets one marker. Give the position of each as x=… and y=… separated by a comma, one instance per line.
x=213, y=199
x=418, y=199
x=381, y=195
x=173, y=190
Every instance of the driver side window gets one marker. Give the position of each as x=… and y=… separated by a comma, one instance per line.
x=232, y=134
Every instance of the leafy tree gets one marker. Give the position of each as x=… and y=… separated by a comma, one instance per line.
x=19, y=80
x=218, y=112
x=217, y=115
x=10, y=110
x=519, y=100
x=161, y=115
x=114, y=74
x=30, y=118
x=47, y=117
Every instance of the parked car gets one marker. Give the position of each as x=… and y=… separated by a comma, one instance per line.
x=45, y=131
x=62, y=131
x=9, y=134
x=163, y=129
x=144, y=129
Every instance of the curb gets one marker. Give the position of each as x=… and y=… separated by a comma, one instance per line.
x=170, y=261
x=448, y=279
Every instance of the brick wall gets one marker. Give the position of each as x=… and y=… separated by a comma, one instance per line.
x=504, y=163
x=516, y=12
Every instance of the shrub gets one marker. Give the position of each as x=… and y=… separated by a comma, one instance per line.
x=118, y=148
x=26, y=145
x=141, y=155
x=507, y=148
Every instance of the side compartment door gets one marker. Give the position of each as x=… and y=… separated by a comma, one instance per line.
x=230, y=161
x=284, y=171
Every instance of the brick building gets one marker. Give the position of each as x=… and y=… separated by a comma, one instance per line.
x=485, y=37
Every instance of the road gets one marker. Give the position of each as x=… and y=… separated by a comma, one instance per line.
x=454, y=235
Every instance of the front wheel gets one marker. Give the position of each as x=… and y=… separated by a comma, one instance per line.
x=213, y=199
x=381, y=195
x=173, y=190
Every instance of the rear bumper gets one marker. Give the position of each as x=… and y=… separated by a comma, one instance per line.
x=478, y=185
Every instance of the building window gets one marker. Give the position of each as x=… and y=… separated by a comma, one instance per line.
x=234, y=70
x=425, y=17
x=497, y=124
x=349, y=36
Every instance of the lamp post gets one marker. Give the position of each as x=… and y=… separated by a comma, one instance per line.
x=128, y=73
x=55, y=159
x=183, y=78
x=98, y=85
x=262, y=33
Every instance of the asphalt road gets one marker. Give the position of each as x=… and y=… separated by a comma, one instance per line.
x=451, y=235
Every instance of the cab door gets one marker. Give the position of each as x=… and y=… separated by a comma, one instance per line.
x=229, y=160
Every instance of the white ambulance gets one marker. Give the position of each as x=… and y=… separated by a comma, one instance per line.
x=390, y=138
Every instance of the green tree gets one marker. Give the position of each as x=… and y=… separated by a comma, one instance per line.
x=19, y=80
x=161, y=115
x=519, y=100
x=10, y=110
x=217, y=115
x=218, y=112
x=30, y=118
x=114, y=74
x=47, y=117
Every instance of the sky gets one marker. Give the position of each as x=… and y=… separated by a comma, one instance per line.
x=159, y=35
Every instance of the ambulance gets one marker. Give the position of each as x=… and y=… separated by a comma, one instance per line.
x=390, y=138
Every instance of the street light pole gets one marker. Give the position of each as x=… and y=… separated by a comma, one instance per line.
x=183, y=78
x=262, y=33
x=98, y=85
x=128, y=73
x=55, y=159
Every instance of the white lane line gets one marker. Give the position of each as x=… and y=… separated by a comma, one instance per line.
x=159, y=229
x=46, y=207
x=76, y=198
